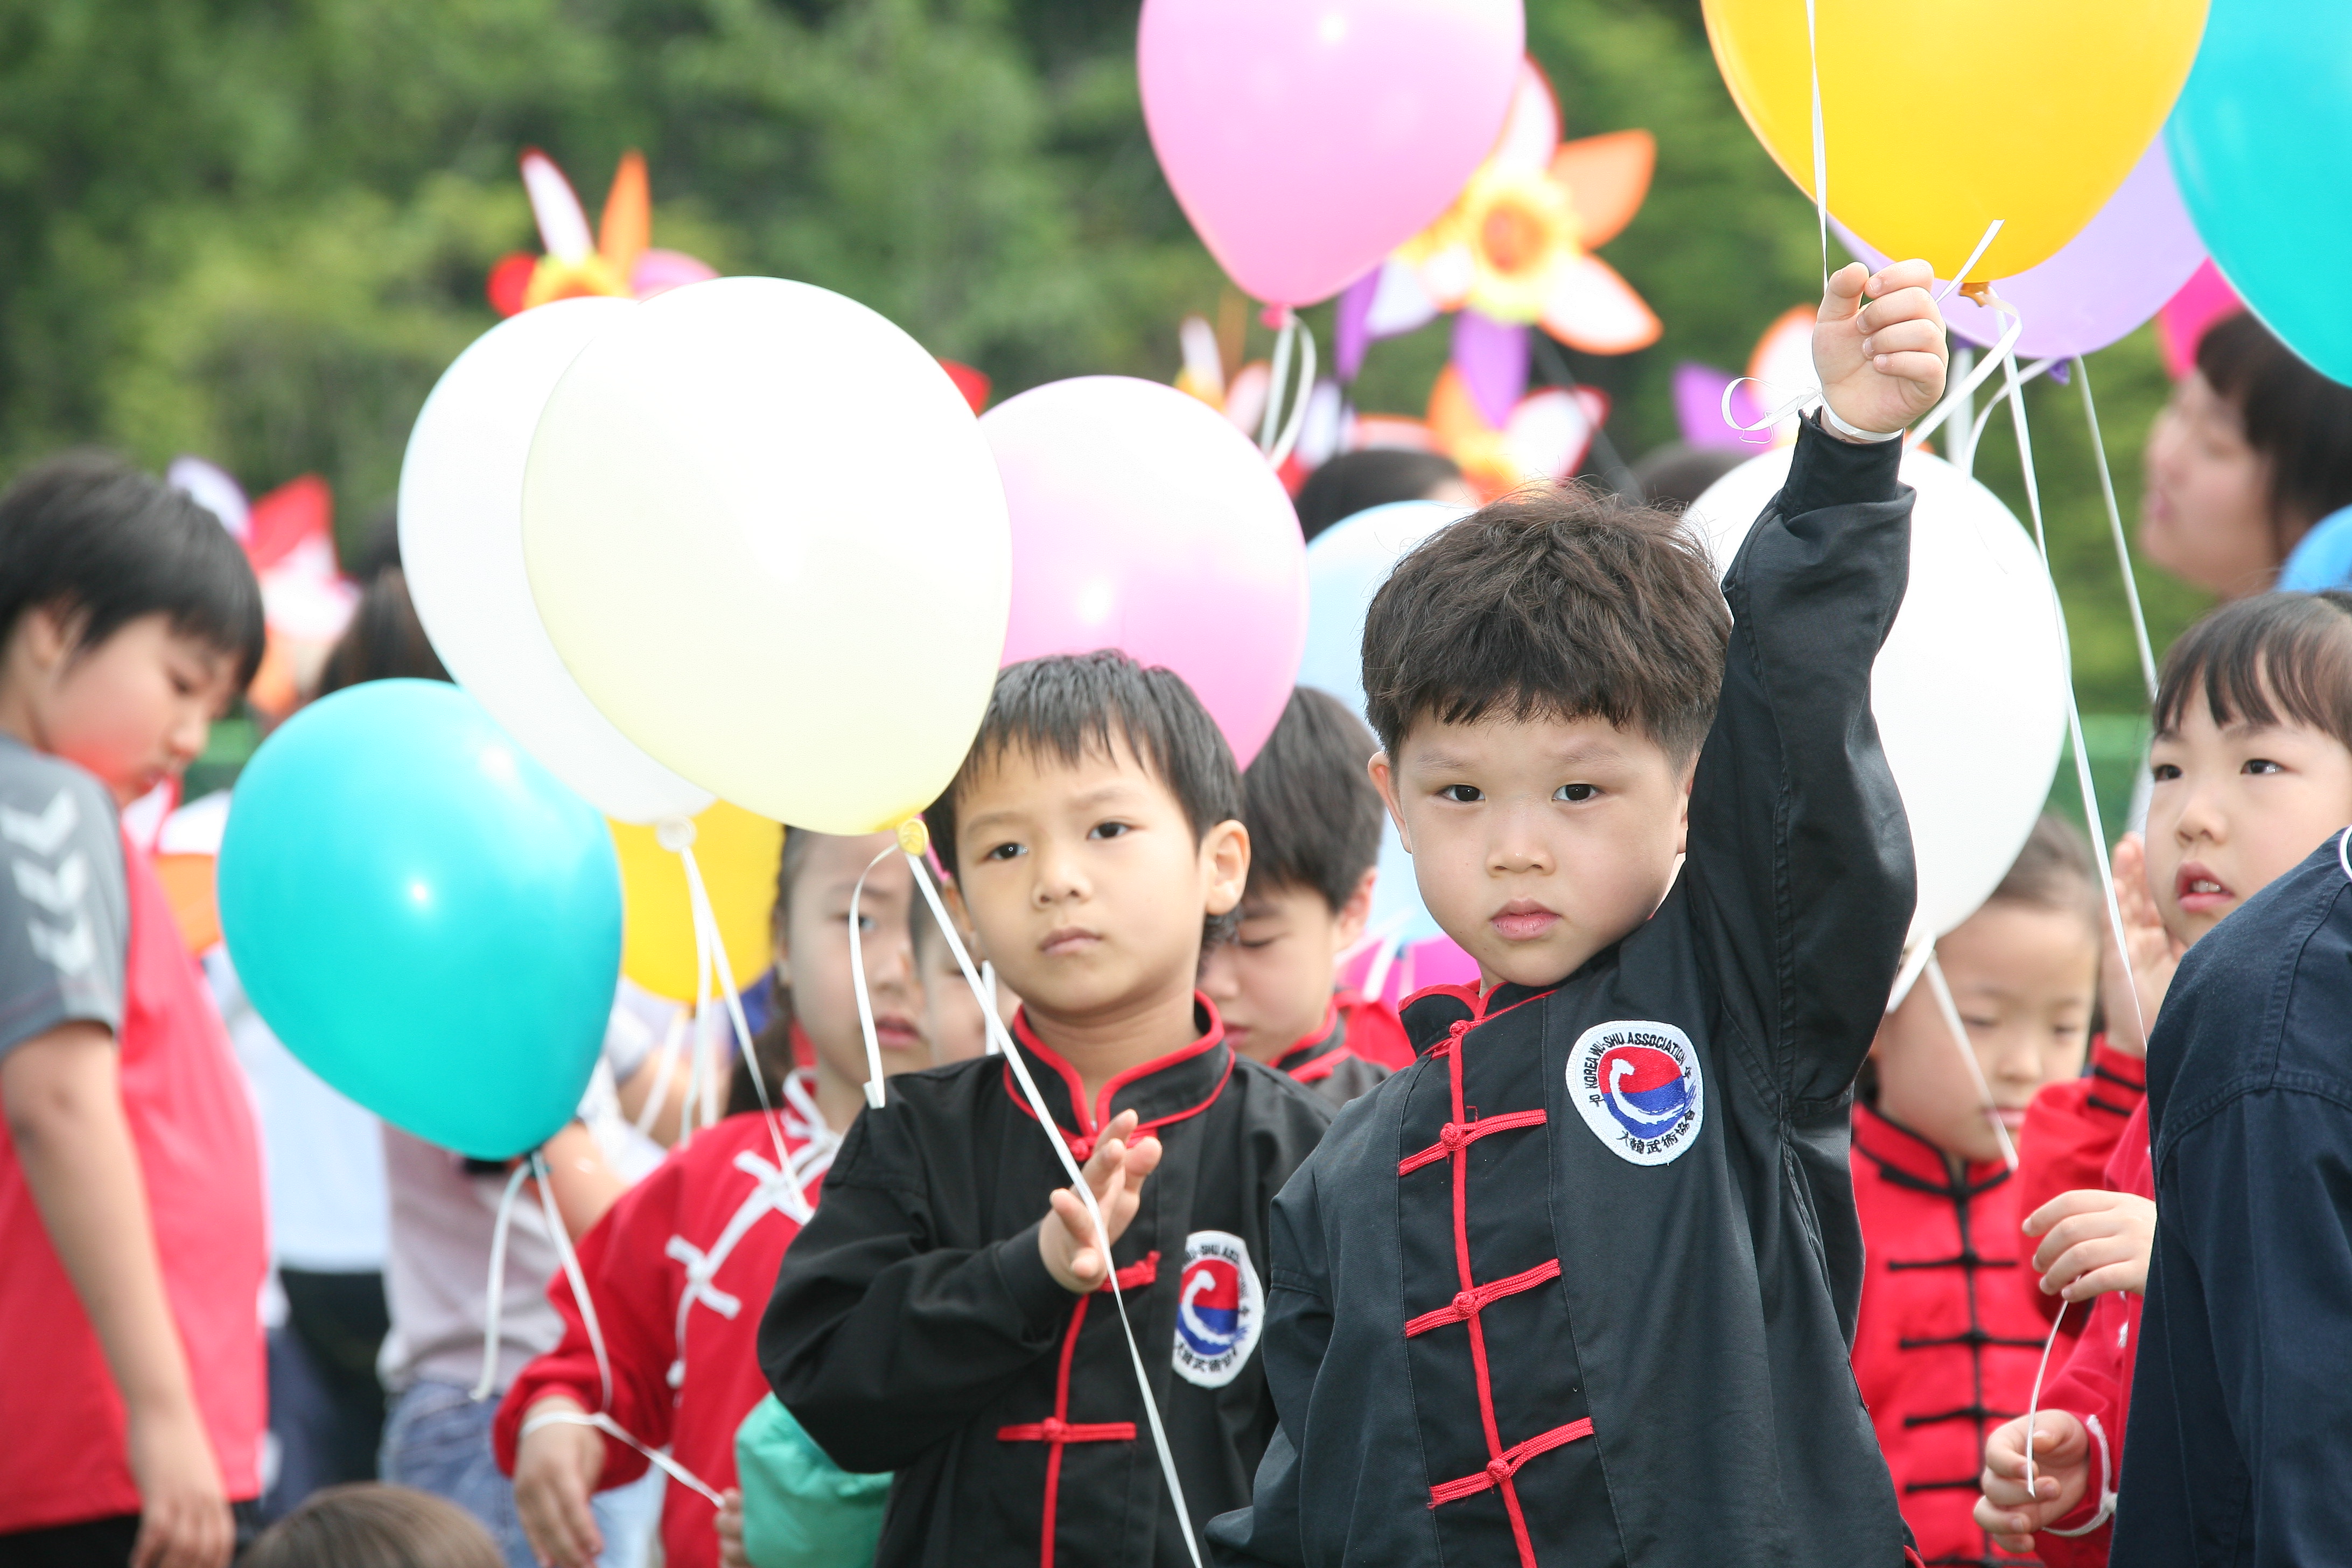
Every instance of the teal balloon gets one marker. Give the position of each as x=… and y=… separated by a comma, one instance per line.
x=2261, y=143
x=427, y=918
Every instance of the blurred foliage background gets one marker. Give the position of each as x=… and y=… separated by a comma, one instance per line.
x=258, y=229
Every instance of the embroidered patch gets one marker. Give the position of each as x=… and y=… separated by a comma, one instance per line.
x=1220, y=1309
x=1638, y=1087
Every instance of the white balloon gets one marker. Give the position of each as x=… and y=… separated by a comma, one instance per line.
x=461, y=548
x=1346, y=564
x=1970, y=691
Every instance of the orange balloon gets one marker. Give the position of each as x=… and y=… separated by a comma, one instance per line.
x=1940, y=116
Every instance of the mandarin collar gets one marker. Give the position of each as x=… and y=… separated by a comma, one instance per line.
x=1429, y=1014
x=1330, y=1036
x=1895, y=1148
x=1170, y=1088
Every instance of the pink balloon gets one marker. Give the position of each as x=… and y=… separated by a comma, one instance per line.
x=1143, y=521
x=1306, y=138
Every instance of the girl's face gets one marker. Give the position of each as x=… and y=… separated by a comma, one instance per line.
x=2205, y=515
x=812, y=958
x=2023, y=977
x=2233, y=808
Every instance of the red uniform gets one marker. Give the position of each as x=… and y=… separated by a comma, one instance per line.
x=680, y=1270
x=2070, y=1134
x=1374, y=1031
x=1945, y=1346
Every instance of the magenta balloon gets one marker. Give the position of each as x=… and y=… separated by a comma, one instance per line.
x=1306, y=138
x=2115, y=274
x=1143, y=521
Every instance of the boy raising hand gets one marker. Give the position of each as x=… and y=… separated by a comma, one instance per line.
x=1578, y=1285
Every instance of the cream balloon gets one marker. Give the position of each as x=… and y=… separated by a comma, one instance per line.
x=769, y=541
x=1968, y=692
x=461, y=550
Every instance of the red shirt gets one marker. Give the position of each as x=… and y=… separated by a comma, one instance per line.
x=1374, y=1031
x=1946, y=1345
x=680, y=1270
x=64, y=1457
x=2072, y=1131
x=2094, y=1385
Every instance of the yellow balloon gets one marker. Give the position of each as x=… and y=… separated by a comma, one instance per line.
x=737, y=854
x=1939, y=116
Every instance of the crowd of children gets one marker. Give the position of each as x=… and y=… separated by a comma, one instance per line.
x=1707, y=1226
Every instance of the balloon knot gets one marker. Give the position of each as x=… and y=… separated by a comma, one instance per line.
x=913, y=836
x=675, y=834
x=1980, y=291
x=1273, y=317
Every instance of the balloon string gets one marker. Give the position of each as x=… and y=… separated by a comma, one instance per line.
x=2033, y=1399
x=1270, y=423
x=1820, y=155
x=1984, y=416
x=665, y=1063
x=857, y=984
x=2014, y=390
x=1288, y=440
x=2115, y=530
x=496, y=1296
x=707, y=937
x=611, y=1428
x=1086, y=1193
x=1959, y=278
x=1943, y=994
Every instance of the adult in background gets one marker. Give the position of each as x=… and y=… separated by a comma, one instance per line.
x=1354, y=481
x=2253, y=449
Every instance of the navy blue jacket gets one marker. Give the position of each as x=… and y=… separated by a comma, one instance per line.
x=1578, y=1286
x=2240, y=1445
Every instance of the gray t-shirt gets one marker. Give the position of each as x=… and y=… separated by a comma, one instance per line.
x=65, y=908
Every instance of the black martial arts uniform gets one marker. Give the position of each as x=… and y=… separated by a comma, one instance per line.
x=914, y=1327
x=1326, y=1063
x=2240, y=1443
x=1578, y=1287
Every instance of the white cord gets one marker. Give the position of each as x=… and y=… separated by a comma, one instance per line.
x=857, y=984
x=1943, y=994
x=488, y=1384
x=2115, y=530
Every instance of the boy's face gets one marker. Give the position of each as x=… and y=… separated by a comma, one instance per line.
x=2231, y=809
x=1537, y=842
x=1085, y=883
x=2023, y=979
x=1272, y=983
x=812, y=957
x=951, y=1015
x=134, y=710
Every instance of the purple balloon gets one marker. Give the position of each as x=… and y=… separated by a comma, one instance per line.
x=2115, y=274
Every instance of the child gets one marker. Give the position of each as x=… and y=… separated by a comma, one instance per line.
x=371, y=1526
x=679, y=1265
x=131, y=1198
x=2251, y=767
x=1314, y=823
x=940, y=1316
x=1945, y=1346
x=1576, y=1286
x=952, y=1019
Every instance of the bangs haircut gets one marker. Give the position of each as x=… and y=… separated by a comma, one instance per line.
x=1065, y=707
x=89, y=536
x=1313, y=816
x=1556, y=604
x=2055, y=871
x=2275, y=659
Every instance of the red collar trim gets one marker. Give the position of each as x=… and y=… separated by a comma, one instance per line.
x=1890, y=1143
x=1302, y=1062
x=2118, y=1067
x=1091, y=1120
x=1469, y=997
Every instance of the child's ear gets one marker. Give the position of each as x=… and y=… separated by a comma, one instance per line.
x=1225, y=854
x=1682, y=819
x=1357, y=912
x=974, y=944
x=1384, y=781
x=49, y=635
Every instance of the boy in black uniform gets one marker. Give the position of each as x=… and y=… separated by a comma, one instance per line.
x=941, y=1316
x=1314, y=821
x=1578, y=1286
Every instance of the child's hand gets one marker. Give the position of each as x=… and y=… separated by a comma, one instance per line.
x=2131, y=1005
x=1066, y=1239
x=1881, y=363
x=2093, y=1241
x=731, y=1554
x=556, y=1470
x=2062, y=1469
x=184, y=1517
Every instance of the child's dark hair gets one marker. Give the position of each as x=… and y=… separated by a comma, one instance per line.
x=1313, y=816
x=1557, y=603
x=384, y=640
x=89, y=535
x=2273, y=658
x=1354, y=481
x=369, y=1525
x=2055, y=871
x=1065, y=706
x=2297, y=419
x=771, y=1047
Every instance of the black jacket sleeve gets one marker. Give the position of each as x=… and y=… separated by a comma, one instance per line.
x=883, y=1341
x=1800, y=855
x=2254, y=1200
